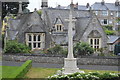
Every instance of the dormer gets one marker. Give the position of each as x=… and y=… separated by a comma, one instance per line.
x=58, y=25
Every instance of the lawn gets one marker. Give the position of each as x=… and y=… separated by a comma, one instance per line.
x=6, y=70
x=45, y=72
x=38, y=72
x=41, y=72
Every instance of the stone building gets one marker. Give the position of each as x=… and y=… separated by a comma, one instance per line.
x=50, y=28
x=107, y=13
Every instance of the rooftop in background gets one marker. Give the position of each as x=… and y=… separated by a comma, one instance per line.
x=14, y=0
x=105, y=6
x=113, y=38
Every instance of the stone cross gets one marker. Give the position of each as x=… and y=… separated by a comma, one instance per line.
x=70, y=63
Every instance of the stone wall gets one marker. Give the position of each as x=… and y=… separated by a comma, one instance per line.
x=113, y=61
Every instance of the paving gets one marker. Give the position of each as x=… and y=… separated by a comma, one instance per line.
x=51, y=65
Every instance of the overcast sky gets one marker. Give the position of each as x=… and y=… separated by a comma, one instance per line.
x=52, y=3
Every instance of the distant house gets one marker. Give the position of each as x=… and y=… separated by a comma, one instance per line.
x=112, y=41
x=107, y=13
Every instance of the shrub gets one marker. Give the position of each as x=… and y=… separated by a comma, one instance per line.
x=20, y=72
x=82, y=48
x=86, y=76
x=56, y=50
x=15, y=47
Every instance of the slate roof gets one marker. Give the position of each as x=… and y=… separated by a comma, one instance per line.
x=82, y=7
x=25, y=23
x=106, y=6
x=63, y=14
x=83, y=18
x=112, y=38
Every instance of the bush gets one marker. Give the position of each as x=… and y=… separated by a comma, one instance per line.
x=20, y=72
x=86, y=76
x=56, y=50
x=82, y=48
x=15, y=47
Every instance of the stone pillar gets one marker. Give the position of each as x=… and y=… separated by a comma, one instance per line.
x=20, y=8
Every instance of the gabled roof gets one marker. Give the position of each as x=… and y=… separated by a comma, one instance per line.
x=58, y=20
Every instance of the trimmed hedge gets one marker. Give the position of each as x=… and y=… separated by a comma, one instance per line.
x=20, y=72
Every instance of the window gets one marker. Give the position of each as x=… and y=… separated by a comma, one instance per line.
x=96, y=12
x=35, y=40
x=59, y=27
x=95, y=43
x=105, y=13
x=104, y=22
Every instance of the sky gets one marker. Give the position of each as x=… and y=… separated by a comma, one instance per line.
x=53, y=3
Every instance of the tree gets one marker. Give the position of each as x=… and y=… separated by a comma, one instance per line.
x=12, y=7
x=82, y=48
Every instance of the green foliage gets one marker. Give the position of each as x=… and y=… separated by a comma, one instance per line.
x=20, y=72
x=15, y=47
x=86, y=76
x=82, y=48
x=110, y=32
x=57, y=49
x=39, y=12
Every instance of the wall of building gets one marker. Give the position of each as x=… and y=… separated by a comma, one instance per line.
x=113, y=61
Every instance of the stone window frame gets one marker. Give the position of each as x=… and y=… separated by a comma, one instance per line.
x=95, y=43
x=39, y=41
x=59, y=27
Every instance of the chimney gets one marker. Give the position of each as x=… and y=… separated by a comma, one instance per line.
x=76, y=6
x=44, y=3
x=88, y=5
x=103, y=2
x=117, y=3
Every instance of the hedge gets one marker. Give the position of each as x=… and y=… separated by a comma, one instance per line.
x=20, y=72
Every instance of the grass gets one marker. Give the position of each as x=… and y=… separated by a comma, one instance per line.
x=39, y=72
x=6, y=70
x=45, y=72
